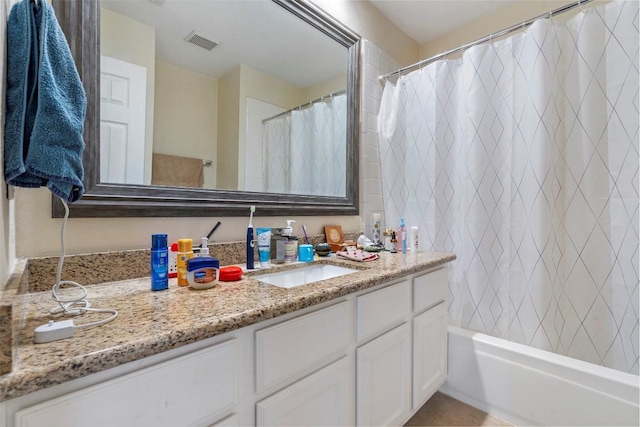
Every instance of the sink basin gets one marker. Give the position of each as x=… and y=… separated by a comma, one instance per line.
x=304, y=275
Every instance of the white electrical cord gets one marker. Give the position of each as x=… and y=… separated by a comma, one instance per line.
x=79, y=305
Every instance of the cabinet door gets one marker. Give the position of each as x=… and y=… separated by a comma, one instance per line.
x=384, y=379
x=429, y=353
x=325, y=398
x=193, y=389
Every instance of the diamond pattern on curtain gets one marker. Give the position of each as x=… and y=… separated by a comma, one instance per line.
x=305, y=151
x=522, y=158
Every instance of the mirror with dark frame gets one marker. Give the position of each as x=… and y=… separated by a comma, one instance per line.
x=80, y=19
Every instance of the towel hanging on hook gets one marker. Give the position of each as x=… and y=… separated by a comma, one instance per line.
x=45, y=105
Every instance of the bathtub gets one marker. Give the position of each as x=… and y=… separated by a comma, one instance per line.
x=527, y=386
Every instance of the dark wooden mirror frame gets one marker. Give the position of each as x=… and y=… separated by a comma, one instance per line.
x=80, y=21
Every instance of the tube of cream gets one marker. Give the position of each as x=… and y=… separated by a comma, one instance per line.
x=264, y=245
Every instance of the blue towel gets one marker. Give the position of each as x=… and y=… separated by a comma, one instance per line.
x=45, y=105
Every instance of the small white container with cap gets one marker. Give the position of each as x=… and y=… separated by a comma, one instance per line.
x=413, y=241
x=290, y=244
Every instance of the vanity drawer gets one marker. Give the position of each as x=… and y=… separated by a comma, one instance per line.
x=287, y=351
x=380, y=310
x=193, y=389
x=430, y=289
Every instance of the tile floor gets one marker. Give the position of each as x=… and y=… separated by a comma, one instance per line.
x=442, y=410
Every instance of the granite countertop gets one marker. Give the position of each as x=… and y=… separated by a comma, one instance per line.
x=152, y=322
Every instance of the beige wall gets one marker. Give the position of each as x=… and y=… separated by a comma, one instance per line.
x=325, y=88
x=129, y=40
x=228, y=128
x=363, y=18
x=510, y=15
x=186, y=116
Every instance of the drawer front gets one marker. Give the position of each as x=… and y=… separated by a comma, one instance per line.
x=193, y=389
x=380, y=310
x=430, y=289
x=287, y=351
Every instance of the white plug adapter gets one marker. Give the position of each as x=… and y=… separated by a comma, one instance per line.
x=54, y=331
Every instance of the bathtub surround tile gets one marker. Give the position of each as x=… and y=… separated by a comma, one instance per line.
x=376, y=63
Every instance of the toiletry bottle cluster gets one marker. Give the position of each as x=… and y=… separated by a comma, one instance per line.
x=196, y=269
x=396, y=240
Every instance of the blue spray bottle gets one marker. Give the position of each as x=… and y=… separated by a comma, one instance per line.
x=250, y=241
x=159, y=262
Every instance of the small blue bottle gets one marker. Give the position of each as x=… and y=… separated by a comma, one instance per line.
x=159, y=262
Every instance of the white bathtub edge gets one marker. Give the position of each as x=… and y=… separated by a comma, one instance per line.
x=527, y=386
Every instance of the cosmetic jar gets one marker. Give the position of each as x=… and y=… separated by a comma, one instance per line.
x=203, y=272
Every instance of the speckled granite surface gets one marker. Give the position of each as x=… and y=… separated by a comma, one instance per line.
x=153, y=322
x=90, y=269
x=11, y=303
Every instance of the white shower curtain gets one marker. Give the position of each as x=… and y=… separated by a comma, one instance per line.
x=306, y=150
x=275, y=154
x=522, y=158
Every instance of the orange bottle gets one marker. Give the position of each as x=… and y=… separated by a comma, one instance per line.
x=185, y=252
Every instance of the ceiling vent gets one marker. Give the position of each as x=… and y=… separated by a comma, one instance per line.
x=201, y=41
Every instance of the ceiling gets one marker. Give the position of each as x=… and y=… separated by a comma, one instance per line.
x=425, y=20
x=256, y=33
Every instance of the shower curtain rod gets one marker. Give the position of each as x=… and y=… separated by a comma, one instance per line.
x=485, y=39
x=306, y=104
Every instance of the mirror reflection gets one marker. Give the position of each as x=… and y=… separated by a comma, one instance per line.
x=233, y=95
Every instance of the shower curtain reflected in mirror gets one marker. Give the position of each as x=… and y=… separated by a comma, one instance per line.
x=522, y=158
x=304, y=151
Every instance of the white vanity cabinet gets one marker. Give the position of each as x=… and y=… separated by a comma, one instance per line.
x=288, y=351
x=406, y=361
x=368, y=358
x=194, y=389
x=384, y=362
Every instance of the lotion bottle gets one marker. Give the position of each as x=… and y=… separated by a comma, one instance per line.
x=185, y=253
x=159, y=262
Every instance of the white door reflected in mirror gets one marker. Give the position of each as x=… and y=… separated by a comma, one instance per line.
x=122, y=118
